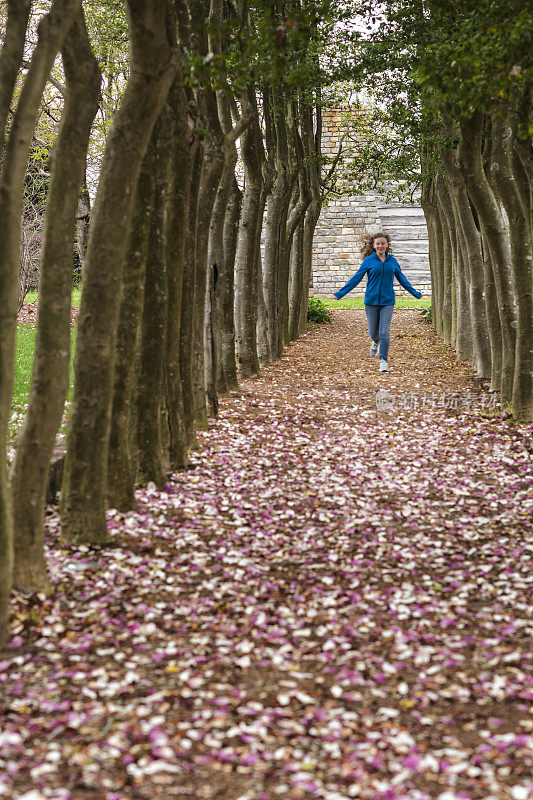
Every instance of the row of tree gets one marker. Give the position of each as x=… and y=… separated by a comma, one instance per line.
x=189, y=281
x=173, y=241
x=454, y=84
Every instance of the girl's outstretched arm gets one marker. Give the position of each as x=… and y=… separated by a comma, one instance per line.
x=353, y=282
x=403, y=281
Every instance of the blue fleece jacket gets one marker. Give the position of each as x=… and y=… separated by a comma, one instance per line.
x=379, y=287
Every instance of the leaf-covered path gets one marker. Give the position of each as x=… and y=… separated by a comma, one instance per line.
x=334, y=603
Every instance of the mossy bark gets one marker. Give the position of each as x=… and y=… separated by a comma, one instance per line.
x=298, y=199
x=152, y=463
x=122, y=460
x=212, y=169
x=178, y=203
x=10, y=58
x=188, y=301
x=50, y=376
x=18, y=12
x=277, y=208
x=215, y=380
x=226, y=292
x=51, y=30
x=153, y=67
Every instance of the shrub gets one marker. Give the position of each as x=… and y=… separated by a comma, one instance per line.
x=425, y=314
x=318, y=311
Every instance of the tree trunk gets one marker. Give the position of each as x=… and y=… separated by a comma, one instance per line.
x=297, y=279
x=11, y=54
x=296, y=221
x=463, y=327
x=187, y=302
x=246, y=261
x=507, y=176
x=212, y=168
x=264, y=351
x=299, y=199
x=216, y=274
x=50, y=379
x=436, y=264
x=152, y=463
x=228, y=363
x=276, y=219
x=496, y=238
x=449, y=301
x=82, y=222
x=176, y=224
x=470, y=243
x=310, y=223
x=429, y=205
x=312, y=144
x=153, y=66
x=121, y=460
x=52, y=29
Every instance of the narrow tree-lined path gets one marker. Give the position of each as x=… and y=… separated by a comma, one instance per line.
x=333, y=603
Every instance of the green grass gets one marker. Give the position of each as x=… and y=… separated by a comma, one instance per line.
x=358, y=302
x=25, y=349
x=31, y=297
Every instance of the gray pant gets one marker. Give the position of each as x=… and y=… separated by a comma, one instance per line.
x=379, y=319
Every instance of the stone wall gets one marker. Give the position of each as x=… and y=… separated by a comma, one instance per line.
x=345, y=219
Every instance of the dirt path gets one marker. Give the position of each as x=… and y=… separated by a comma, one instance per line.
x=334, y=603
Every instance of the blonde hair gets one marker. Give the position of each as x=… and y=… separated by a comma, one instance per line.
x=367, y=243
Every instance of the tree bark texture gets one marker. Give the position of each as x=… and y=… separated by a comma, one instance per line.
x=297, y=279
x=469, y=239
x=50, y=378
x=153, y=67
x=18, y=12
x=510, y=182
x=82, y=222
x=449, y=301
x=176, y=226
x=122, y=456
x=187, y=302
x=212, y=169
x=276, y=219
x=298, y=199
x=217, y=267
x=312, y=144
x=52, y=29
x=295, y=226
x=246, y=261
x=463, y=323
x=226, y=293
x=495, y=237
x=152, y=463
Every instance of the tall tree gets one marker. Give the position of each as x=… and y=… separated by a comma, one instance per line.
x=52, y=29
x=52, y=354
x=153, y=67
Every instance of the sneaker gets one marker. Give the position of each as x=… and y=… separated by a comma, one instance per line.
x=374, y=348
x=383, y=366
